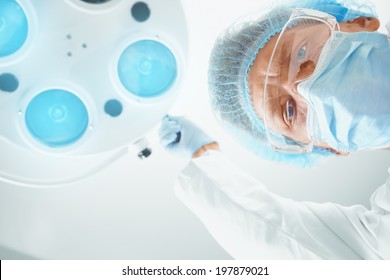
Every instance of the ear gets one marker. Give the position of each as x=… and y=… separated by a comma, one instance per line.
x=336, y=152
x=324, y=145
x=339, y=153
x=360, y=24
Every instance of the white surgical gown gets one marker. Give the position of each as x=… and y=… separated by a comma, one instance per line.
x=252, y=223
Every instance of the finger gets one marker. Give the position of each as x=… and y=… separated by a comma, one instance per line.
x=168, y=139
x=166, y=121
x=169, y=128
x=172, y=117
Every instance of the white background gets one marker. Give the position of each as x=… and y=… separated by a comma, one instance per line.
x=129, y=210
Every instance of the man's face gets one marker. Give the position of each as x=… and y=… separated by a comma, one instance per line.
x=295, y=59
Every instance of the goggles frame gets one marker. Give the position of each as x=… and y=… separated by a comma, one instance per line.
x=285, y=144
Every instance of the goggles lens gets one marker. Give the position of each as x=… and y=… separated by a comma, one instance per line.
x=294, y=58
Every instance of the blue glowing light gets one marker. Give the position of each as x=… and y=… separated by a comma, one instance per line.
x=13, y=27
x=147, y=68
x=56, y=118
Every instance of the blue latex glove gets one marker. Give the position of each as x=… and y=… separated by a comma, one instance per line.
x=182, y=137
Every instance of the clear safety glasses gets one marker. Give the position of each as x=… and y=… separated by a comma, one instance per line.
x=294, y=58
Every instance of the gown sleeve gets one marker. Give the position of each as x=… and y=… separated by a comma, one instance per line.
x=250, y=222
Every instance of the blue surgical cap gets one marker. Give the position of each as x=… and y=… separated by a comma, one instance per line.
x=231, y=58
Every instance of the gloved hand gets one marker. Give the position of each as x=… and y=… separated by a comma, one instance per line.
x=182, y=137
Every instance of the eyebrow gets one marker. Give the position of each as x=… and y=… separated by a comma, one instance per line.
x=284, y=53
x=287, y=44
x=275, y=119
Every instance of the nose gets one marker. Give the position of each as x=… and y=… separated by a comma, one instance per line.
x=305, y=71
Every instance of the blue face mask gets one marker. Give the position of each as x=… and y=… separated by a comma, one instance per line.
x=349, y=92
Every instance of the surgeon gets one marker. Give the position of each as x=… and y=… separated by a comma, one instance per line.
x=303, y=81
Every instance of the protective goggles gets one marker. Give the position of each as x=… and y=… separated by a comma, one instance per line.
x=288, y=118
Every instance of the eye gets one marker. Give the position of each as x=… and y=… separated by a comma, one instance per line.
x=302, y=53
x=290, y=110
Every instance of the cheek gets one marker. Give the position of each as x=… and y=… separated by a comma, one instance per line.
x=299, y=131
x=302, y=112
